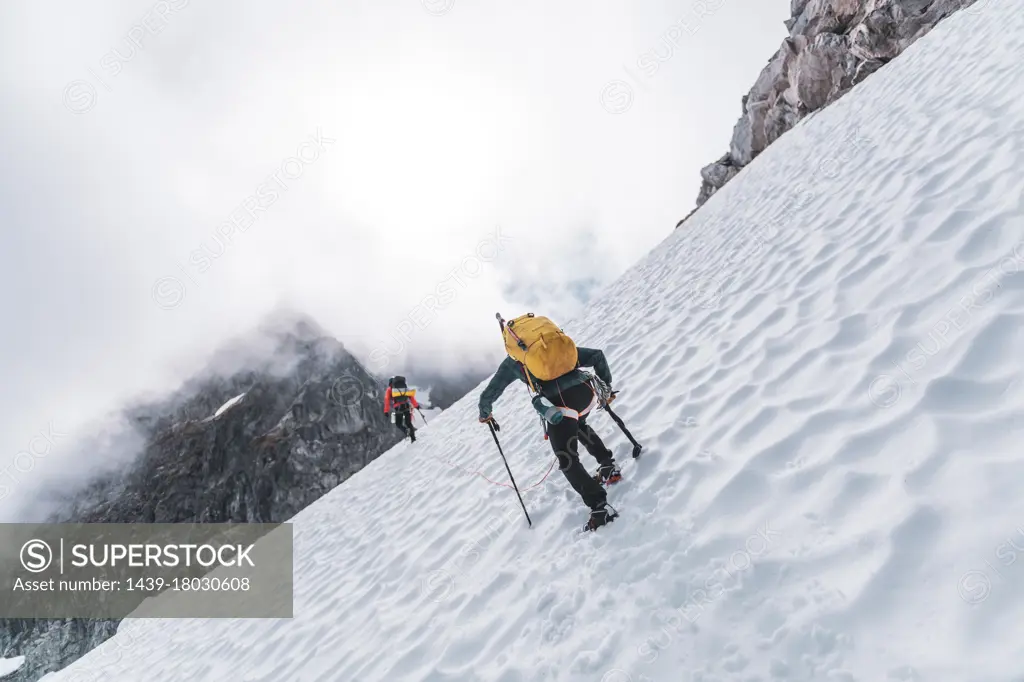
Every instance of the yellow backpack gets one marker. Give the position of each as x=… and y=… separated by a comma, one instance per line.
x=541, y=345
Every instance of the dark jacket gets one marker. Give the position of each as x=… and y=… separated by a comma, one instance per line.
x=510, y=370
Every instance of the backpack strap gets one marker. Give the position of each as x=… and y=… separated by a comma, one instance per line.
x=529, y=379
x=506, y=328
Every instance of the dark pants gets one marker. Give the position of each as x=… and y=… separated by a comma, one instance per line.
x=403, y=420
x=565, y=438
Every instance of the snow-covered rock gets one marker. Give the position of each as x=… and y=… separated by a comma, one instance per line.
x=226, y=406
x=255, y=444
x=10, y=665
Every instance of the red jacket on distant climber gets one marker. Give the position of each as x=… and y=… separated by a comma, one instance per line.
x=389, y=402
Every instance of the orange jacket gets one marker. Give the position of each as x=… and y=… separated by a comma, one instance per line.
x=389, y=402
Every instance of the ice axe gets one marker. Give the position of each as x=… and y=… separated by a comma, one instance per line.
x=504, y=327
x=606, y=395
x=636, y=446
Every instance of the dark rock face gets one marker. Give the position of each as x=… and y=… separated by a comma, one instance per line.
x=832, y=46
x=308, y=418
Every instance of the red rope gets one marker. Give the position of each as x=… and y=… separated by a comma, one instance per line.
x=505, y=485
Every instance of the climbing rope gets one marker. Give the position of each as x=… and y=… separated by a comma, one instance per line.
x=473, y=472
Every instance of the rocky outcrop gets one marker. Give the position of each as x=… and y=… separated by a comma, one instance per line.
x=269, y=429
x=832, y=46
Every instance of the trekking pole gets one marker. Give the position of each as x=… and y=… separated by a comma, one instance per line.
x=421, y=415
x=636, y=446
x=490, y=425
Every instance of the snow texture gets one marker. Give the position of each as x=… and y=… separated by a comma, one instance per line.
x=429, y=413
x=225, y=407
x=825, y=368
x=10, y=665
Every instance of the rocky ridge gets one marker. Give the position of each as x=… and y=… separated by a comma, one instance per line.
x=268, y=430
x=832, y=46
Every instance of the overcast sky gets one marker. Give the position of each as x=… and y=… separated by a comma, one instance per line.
x=174, y=170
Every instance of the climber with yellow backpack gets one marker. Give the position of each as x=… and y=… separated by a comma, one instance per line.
x=547, y=360
x=400, y=399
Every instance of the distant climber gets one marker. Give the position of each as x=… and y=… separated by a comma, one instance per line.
x=543, y=357
x=401, y=399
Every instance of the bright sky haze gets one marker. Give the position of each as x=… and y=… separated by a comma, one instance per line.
x=399, y=170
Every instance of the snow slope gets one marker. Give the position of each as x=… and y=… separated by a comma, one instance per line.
x=428, y=415
x=225, y=407
x=826, y=368
x=10, y=665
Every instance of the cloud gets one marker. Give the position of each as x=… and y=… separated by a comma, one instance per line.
x=137, y=135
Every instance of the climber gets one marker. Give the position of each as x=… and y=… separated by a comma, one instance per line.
x=400, y=398
x=551, y=371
